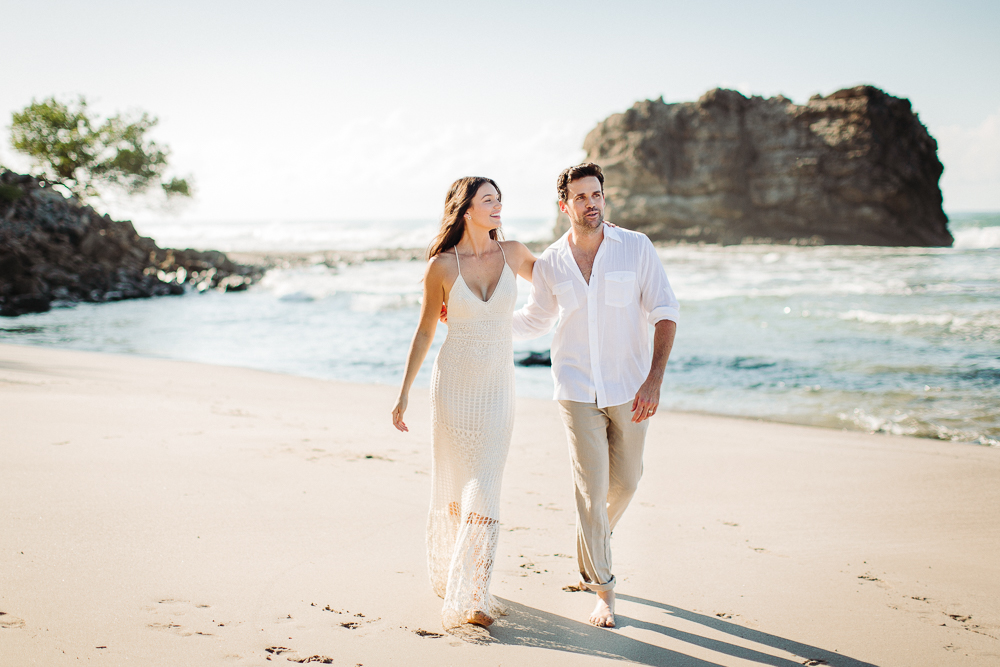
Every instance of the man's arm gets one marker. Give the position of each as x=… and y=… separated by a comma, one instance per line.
x=656, y=296
x=647, y=399
x=662, y=311
x=539, y=315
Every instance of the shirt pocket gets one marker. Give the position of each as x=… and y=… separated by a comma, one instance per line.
x=565, y=295
x=619, y=288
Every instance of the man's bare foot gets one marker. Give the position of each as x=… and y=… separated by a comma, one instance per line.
x=479, y=618
x=603, y=615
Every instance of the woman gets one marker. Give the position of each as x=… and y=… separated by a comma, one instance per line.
x=472, y=274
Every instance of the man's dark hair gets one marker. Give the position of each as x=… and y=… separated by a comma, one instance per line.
x=571, y=174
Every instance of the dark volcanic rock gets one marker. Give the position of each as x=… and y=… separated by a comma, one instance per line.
x=57, y=249
x=855, y=167
x=536, y=359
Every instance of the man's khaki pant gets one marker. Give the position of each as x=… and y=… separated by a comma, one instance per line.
x=605, y=451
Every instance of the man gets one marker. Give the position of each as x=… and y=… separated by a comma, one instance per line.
x=603, y=284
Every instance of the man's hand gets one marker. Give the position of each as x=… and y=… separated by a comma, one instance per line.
x=647, y=399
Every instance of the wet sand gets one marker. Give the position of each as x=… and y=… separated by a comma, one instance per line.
x=167, y=513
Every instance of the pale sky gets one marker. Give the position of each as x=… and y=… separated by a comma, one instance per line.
x=307, y=110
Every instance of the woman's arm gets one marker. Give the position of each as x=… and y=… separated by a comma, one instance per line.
x=523, y=260
x=434, y=296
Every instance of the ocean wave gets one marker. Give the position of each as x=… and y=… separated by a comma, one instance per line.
x=312, y=236
x=977, y=237
x=391, y=279
x=940, y=319
x=720, y=272
x=983, y=325
x=902, y=423
x=373, y=303
x=300, y=284
x=690, y=290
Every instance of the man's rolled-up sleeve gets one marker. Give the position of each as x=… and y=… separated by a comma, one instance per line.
x=538, y=316
x=657, y=297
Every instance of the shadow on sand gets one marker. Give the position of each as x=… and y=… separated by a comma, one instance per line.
x=526, y=626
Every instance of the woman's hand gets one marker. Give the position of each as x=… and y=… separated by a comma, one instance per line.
x=397, y=414
x=430, y=311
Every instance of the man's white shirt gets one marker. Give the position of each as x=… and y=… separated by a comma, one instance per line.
x=601, y=348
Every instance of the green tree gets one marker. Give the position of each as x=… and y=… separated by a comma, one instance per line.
x=73, y=148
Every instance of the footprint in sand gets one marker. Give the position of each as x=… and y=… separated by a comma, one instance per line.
x=870, y=577
x=291, y=655
x=967, y=624
x=231, y=412
x=473, y=634
x=427, y=633
x=197, y=618
x=354, y=621
x=9, y=622
x=530, y=567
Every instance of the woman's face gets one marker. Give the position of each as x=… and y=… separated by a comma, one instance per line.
x=484, y=212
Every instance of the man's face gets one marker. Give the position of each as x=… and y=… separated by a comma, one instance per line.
x=584, y=203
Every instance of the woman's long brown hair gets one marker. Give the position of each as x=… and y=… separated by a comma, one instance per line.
x=456, y=203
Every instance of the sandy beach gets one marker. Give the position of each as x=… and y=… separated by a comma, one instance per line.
x=167, y=513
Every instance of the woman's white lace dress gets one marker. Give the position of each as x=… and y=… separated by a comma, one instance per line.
x=472, y=409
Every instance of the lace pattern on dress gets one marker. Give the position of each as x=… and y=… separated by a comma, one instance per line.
x=472, y=409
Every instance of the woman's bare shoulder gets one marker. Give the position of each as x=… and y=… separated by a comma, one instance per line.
x=516, y=247
x=442, y=265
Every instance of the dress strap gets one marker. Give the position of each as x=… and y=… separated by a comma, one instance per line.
x=502, y=252
x=457, y=262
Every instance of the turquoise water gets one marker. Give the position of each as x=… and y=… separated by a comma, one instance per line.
x=898, y=340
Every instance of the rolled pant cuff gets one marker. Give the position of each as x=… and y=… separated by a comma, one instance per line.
x=599, y=587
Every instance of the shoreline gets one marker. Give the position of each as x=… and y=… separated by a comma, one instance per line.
x=849, y=428
x=167, y=512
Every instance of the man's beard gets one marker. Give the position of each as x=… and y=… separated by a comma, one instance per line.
x=586, y=224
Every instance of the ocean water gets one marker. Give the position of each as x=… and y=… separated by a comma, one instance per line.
x=896, y=340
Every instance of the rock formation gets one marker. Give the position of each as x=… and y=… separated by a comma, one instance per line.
x=854, y=167
x=54, y=248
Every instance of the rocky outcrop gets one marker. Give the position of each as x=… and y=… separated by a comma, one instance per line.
x=854, y=167
x=535, y=359
x=54, y=248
